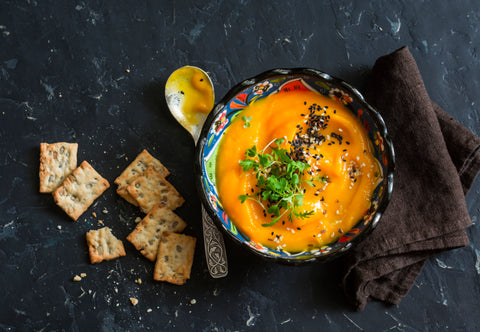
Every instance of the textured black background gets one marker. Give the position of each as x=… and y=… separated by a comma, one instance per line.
x=63, y=77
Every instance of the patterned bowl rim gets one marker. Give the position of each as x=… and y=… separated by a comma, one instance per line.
x=379, y=122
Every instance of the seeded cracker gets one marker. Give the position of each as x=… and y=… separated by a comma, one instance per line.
x=79, y=190
x=137, y=167
x=57, y=161
x=149, y=231
x=175, y=258
x=151, y=188
x=103, y=245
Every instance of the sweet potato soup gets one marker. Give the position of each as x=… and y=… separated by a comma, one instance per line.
x=323, y=144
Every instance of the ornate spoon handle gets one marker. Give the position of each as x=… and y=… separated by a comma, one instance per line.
x=214, y=247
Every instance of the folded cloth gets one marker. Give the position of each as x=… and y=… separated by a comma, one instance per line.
x=437, y=160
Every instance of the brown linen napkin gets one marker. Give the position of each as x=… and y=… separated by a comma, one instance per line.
x=437, y=160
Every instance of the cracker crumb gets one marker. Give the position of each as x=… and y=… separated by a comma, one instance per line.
x=134, y=301
x=83, y=274
x=193, y=301
x=77, y=278
x=94, y=214
x=149, y=310
x=105, y=211
x=100, y=222
x=138, y=281
x=59, y=227
x=138, y=219
x=127, y=70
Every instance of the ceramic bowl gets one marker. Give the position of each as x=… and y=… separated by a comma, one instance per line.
x=278, y=81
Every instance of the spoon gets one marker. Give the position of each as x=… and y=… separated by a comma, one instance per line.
x=190, y=97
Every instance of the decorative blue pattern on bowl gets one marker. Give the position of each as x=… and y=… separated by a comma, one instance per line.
x=281, y=81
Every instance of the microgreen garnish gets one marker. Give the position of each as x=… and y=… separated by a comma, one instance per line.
x=247, y=120
x=279, y=182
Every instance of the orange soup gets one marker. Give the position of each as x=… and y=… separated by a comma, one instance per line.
x=319, y=131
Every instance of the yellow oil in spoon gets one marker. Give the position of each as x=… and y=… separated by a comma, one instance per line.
x=190, y=97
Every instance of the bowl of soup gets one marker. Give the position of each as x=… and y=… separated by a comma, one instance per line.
x=294, y=165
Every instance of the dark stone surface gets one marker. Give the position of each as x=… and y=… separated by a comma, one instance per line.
x=63, y=78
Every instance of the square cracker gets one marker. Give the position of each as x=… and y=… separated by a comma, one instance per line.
x=57, y=161
x=151, y=188
x=137, y=167
x=174, y=258
x=79, y=190
x=149, y=231
x=103, y=245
